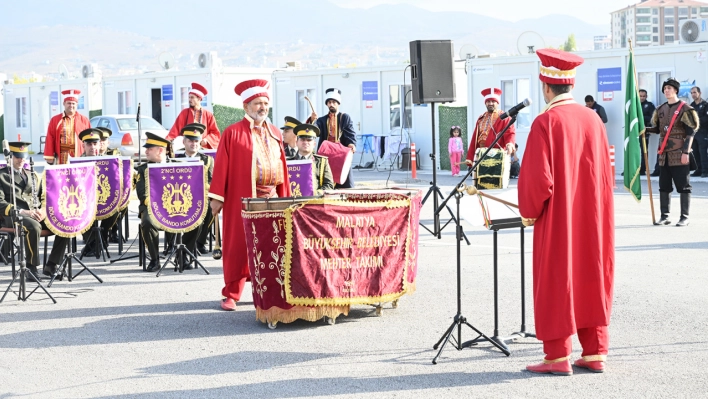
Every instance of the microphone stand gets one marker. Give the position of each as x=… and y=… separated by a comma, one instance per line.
x=459, y=319
x=20, y=239
x=140, y=137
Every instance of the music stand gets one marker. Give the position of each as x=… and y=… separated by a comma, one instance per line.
x=96, y=238
x=459, y=319
x=179, y=253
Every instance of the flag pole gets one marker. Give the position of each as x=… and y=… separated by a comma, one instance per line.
x=644, y=148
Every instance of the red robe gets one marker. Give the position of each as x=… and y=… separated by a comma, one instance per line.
x=566, y=184
x=52, y=146
x=212, y=136
x=498, y=125
x=232, y=180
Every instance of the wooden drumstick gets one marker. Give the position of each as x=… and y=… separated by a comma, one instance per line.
x=472, y=190
x=310, y=102
x=217, y=247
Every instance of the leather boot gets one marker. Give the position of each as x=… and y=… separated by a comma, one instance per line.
x=685, y=203
x=665, y=206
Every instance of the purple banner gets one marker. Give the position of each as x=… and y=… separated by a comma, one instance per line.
x=109, y=183
x=177, y=197
x=127, y=182
x=70, y=198
x=301, y=178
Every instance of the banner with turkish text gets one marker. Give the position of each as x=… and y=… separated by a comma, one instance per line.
x=347, y=252
x=109, y=183
x=177, y=195
x=71, y=198
x=127, y=182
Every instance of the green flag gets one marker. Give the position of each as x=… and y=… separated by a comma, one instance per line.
x=633, y=127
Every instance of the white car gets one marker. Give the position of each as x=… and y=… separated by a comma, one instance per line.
x=125, y=133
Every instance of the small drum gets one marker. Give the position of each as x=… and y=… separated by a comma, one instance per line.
x=340, y=159
x=493, y=172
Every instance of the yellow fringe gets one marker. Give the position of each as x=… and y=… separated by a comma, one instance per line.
x=308, y=313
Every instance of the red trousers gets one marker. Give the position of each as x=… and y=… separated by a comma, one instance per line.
x=594, y=340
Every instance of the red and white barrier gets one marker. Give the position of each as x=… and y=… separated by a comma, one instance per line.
x=612, y=163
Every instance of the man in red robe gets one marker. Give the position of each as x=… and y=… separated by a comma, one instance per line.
x=196, y=114
x=489, y=126
x=565, y=188
x=251, y=165
x=63, y=131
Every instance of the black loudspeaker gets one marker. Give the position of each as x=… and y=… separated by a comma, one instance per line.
x=432, y=74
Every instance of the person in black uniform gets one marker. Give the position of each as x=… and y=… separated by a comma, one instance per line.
x=647, y=112
x=32, y=219
x=337, y=127
x=599, y=109
x=289, y=138
x=674, y=150
x=192, y=134
x=700, y=140
x=155, y=152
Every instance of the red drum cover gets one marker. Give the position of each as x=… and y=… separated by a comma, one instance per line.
x=340, y=159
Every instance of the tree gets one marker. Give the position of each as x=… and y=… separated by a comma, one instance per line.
x=569, y=44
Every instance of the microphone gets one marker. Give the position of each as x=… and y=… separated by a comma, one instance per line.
x=6, y=148
x=515, y=109
x=137, y=116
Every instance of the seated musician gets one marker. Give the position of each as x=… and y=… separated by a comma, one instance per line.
x=322, y=174
x=192, y=134
x=155, y=152
x=32, y=219
x=91, y=139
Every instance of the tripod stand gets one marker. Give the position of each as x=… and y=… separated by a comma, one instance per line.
x=23, y=272
x=434, y=190
x=20, y=237
x=459, y=319
x=66, y=263
x=180, y=253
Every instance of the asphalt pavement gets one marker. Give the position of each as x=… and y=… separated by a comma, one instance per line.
x=136, y=335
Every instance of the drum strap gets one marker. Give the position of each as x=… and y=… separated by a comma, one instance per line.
x=671, y=125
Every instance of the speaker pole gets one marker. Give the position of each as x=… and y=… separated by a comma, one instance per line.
x=435, y=191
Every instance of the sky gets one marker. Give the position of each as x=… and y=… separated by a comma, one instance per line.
x=591, y=11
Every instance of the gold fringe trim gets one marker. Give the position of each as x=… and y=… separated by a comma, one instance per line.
x=595, y=358
x=116, y=208
x=125, y=200
x=197, y=222
x=308, y=313
x=60, y=233
x=560, y=359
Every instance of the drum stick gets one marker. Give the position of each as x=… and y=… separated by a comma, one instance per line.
x=472, y=190
x=310, y=102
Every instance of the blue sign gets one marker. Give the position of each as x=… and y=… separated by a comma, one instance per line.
x=609, y=79
x=370, y=90
x=54, y=98
x=167, y=93
x=81, y=103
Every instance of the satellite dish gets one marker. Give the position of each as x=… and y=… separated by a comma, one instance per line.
x=468, y=51
x=528, y=42
x=63, y=72
x=86, y=71
x=166, y=60
x=202, y=61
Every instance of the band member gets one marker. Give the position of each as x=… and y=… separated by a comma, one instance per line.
x=91, y=139
x=289, y=138
x=106, y=133
x=32, y=219
x=155, y=152
x=337, y=127
x=565, y=186
x=321, y=172
x=489, y=125
x=63, y=131
x=196, y=114
x=251, y=164
x=192, y=134
x=679, y=121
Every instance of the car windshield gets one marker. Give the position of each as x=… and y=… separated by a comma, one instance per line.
x=132, y=124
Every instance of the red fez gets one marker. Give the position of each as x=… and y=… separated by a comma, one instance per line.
x=198, y=90
x=71, y=95
x=251, y=89
x=557, y=66
x=493, y=94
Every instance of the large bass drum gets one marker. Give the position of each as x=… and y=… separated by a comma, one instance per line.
x=493, y=172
